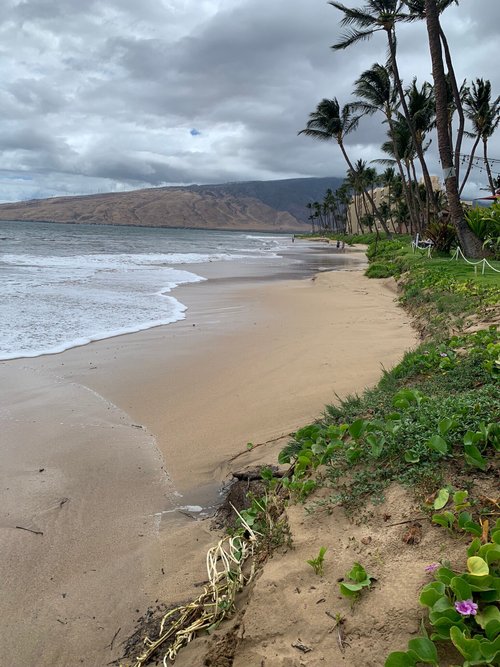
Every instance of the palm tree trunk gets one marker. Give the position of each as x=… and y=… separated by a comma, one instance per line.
x=457, y=99
x=487, y=165
x=370, y=199
x=349, y=219
x=469, y=166
x=406, y=111
x=420, y=204
x=406, y=191
x=470, y=243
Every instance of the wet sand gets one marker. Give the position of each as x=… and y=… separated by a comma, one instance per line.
x=103, y=444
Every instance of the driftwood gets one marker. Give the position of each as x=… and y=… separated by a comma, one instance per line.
x=254, y=474
x=35, y=532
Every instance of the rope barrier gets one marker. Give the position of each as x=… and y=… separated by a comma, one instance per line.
x=483, y=261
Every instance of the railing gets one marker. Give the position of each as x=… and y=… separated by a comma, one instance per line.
x=484, y=262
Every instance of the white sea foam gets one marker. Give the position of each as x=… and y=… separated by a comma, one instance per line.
x=64, y=286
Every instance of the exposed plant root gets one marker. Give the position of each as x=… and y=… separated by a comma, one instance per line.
x=225, y=562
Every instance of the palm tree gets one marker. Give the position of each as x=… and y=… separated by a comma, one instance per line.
x=388, y=179
x=417, y=12
x=376, y=92
x=330, y=122
x=344, y=196
x=422, y=112
x=471, y=244
x=365, y=179
x=402, y=140
x=311, y=216
x=362, y=24
x=485, y=117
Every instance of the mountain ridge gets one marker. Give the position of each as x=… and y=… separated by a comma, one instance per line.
x=245, y=206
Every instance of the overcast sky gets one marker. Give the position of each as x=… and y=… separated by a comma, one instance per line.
x=108, y=95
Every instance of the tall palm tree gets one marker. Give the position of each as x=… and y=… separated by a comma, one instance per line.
x=365, y=179
x=422, y=112
x=417, y=12
x=375, y=92
x=374, y=87
x=485, y=117
x=311, y=216
x=401, y=138
x=344, y=196
x=388, y=180
x=330, y=122
x=471, y=244
x=362, y=24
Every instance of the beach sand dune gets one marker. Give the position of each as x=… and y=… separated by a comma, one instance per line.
x=102, y=444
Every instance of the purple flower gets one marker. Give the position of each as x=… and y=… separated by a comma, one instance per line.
x=432, y=567
x=443, y=354
x=466, y=607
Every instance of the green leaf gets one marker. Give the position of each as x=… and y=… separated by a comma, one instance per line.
x=431, y=593
x=490, y=649
x=446, y=519
x=353, y=587
x=445, y=424
x=474, y=457
x=493, y=556
x=492, y=629
x=441, y=499
x=445, y=575
x=438, y=444
x=400, y=659
x=353, y=454
x=474, y=547
x=424, y=650
x=318, y=447
x=350, y=590
x=411, y=457
x=460, y=499
x=357, y=573
x=461, y=588
x=469, y=648
x=376, y=443
x=471, y=438
x=357, y=428
x=482, y=584
x=473, y=528
x=477, y=566
x=487, y=614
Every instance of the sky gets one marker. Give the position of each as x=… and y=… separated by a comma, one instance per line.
x=113, y=95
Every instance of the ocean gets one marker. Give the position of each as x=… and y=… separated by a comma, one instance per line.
x=66, y=285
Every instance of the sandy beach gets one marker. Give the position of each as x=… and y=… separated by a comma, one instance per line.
x=104, y=444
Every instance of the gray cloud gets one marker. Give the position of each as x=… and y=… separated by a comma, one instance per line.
x=104, y=96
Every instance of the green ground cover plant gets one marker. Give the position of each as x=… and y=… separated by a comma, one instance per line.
x=355, y=582
x=463, y=608
x=318, y=563
x=434, y=416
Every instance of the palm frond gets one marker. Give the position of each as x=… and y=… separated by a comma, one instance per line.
x=365, y=108
x=352, y=37
x=353, y=16
x=321, y=135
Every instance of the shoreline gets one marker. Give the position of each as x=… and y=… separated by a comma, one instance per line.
x=257, y=358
